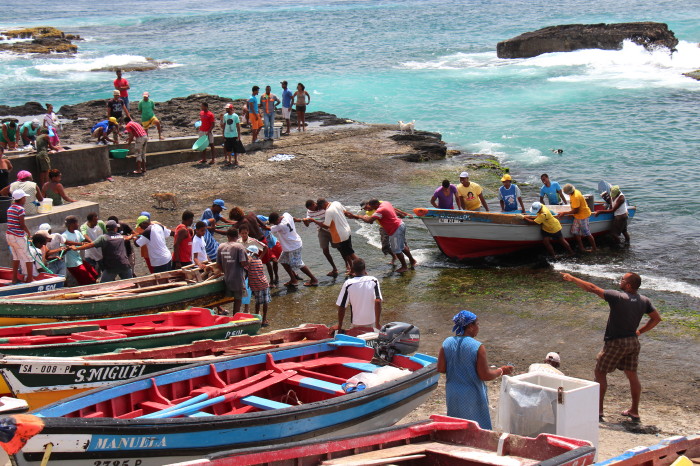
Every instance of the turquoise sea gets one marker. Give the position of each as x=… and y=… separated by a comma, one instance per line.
x=628, y=116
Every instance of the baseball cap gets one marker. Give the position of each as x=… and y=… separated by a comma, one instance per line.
x=18, y=194
x=568, y=188
x=253, y=249
x=145, y=214
x=220, y=203
x=36, y=122
x=464, y=175
x=283, y=82
x=552, y=356
x=113, y=120
x=45, y=226
x=115, y=93
x=615, y=191
x=536, y=206
x=142, y=219
x=146, y=94
x=229, y=106
x=506, y=177
x=111, y=225
x=44, y=233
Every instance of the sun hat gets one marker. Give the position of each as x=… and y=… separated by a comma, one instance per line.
x=23, y=175
x=141, y=220
x=115, y=93
x=552, y=356
x=220, y=203
x=113, y=120
x=615, y=191
x=464, y=175
x=18, y=194
x=568, y=188
x=45, y=226
x=146, y=94
x=506, y=177
x=44, y=233
x=253, y=249
x=536, y=206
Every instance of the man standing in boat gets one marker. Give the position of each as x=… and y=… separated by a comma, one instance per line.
x=509, y=195
x=621, y=348
x=552, y=190
x=470, y=194
x=233, y=260
x=620, y=215
x=581, y=213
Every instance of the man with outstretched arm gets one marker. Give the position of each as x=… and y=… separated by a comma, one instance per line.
x=621, y=348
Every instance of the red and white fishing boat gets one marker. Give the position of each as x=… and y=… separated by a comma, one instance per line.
x=463, y=234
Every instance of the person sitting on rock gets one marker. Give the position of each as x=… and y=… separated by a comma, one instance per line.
x=102, y=130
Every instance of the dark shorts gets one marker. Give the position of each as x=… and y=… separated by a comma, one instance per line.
x=556, y=235
x=301, y=108
x=620, y=353
x=43, y=161
x=163, y=268
x=619, y=224
x=230, y=144
x=345, y=248
x=236, y=294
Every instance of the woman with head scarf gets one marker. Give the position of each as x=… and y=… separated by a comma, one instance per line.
x=25, y=183
x=463, y=360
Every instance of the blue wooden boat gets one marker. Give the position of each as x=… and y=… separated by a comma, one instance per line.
x=42, y=282
x=264, y=398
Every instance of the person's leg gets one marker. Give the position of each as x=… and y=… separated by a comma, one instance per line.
x=292, y=276
x=591, y=240
x=15, y=271
x=275, y=269
x=402, y=261
x=126, y=274
x=602, y=379
x=303, y=120
x=29, y=267
x=160, y=129
x=329, y=258
x=411, y=260
x=236, y=305
x=566, y=245
x=108, y=276
x=264, y=314
x=579, y=241
x=548, y=245
x=635, y=391
x=312, y=279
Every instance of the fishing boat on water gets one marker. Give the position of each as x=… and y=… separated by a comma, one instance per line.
x=78, y=338
x=44, y=380
x=176, y=289
x=42, y=282
x=462, y=234
x=264, y=398
x=442, y=440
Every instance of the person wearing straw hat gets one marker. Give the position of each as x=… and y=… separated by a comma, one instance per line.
x=16, y=236
x=463, y=360
x=551, y=228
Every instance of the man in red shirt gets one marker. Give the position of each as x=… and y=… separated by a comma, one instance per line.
x=122, y=85
x=385, y=215
x=206, y=129
x=137, y=132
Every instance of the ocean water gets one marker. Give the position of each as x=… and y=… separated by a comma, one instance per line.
x=629, y=116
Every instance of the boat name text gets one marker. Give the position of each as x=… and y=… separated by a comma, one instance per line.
x=100, y=374
x=120, y=443
x=118, y=463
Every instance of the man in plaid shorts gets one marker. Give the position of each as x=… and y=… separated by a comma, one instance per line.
x=621, y=348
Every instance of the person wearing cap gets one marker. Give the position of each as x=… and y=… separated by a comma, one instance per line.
x=211, y=216
x=268, y=106
x=43, y=161
x=27, y=132
x=231, y=257
x=153, y=235
x=463, y=360
x=16, y=237
x=509, y=195
x=550, y=366
x=83, y=272
x=102, y=130
x=442, y=197
x=143, y=249
x=25, y=183
x=470, y=194
x=552, y=191
x=139, y=137
x=283, y=227
x=362, y=294
x=231, y=126
x=254, y=117
x=581, y=213
x=620, y=215
x=116, y=107
x=287, y=99
x=208, y=120
x=122, y=86
x=5, y=169
x=148, y=116
x=56, y=244
x=115, y=262
x=621, y=348
x=551, y=228
x=257, y=281
x=9, y=135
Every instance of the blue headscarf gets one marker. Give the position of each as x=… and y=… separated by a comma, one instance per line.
x=462, y=320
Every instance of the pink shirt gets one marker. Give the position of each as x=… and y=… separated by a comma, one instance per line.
x=135, y=129
x=387, y=218
x=207, y=118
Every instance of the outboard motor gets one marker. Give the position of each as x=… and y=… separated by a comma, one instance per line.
x=397, y=338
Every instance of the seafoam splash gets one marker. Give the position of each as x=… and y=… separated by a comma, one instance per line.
x=82, y=64
x=503, y=152
x=370, y=233
x=614, y=272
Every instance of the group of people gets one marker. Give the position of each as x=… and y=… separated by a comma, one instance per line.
x=469, y=196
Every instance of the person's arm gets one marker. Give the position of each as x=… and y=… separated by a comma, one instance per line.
x=654, y=319
x=442, y=363
x=454, y=193
x=6, y=190
x=529, y=220
x=584, y=285
x=561, y=196
x=618, y=202
x=341, y=317
x=503, y=205
x=179, y=237
x=483, y=370
x=522, y=206
x=238, y=129
x=62, y=192
x=9, y=168
x=199, y=263
x=23, y=225
x=364, y=218
x=39, y=195
x=541, y=199
x=130, y=139
x=126, y=110
x=483, y=202
x=83, y=247
x=308, y=98
x=377, y=312
x=109, y=110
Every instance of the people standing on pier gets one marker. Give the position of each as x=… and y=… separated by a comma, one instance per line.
x=254, y=117
x=509, y=195
x=442, y=197
x=232, y=259
x=16, y=236
x=148, y=116
x=620, y=215
x=551, y=228
x=208, y=120
x=621, y=348
x=470, y=194
x=302, y=100
x=284, y=229
x=287, y=100
x=83, y=272
x=581, y=213
x=268, y=105
x=463, y=360
x=552, y=191
x=122, y=85
x=325, y=241
x=139, y=137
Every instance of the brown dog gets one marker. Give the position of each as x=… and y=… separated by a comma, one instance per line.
x=165, y=197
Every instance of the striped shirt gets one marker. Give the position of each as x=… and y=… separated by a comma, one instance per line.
x=14, y=214
x=257, y=280
x=319, y=215
x=135, y=129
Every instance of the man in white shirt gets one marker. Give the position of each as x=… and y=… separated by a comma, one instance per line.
x=285, y=231
x=154, y=235
x=362, y=293
x=336, y=223
x=199, y=245
x=314, y=213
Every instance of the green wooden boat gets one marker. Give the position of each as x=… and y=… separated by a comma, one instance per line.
x=85, y=337
x=165, y=291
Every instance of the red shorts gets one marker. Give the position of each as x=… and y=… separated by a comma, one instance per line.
x=84, y=274
x=272, y=253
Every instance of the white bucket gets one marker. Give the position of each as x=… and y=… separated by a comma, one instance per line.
x=46, y=206
x=276, y=132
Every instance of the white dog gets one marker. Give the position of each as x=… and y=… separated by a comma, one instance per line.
x=408, y=127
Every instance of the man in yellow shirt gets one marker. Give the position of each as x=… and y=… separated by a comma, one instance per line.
x=551, y=228
x=581, y=213
x=470, y=194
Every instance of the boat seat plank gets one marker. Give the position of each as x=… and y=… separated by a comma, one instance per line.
x=316, y=384
x=153, y=405
x=362, y=366
x=263, y=403
x=95, y=414
x=64, y=330
x=199, y=414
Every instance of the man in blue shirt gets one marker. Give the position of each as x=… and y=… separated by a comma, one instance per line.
x=287, y=98
x=552, y=190
x=211, y=216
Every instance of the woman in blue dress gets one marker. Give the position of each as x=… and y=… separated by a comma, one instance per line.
x=463, y=360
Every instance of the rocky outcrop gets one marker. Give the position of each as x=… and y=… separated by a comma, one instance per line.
x=28, y=109
x=570, y=37
x=693, y=74
x=149, y=65
x=45, y=40
x=423, y=146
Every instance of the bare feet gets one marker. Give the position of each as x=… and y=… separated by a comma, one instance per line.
x=333, y=273
x=401, y=270
x=413, y=264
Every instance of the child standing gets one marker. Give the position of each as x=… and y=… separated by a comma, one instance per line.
x=258, y=283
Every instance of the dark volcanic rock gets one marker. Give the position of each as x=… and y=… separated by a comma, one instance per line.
x=570, y=37
x=424, y=146
x=28, y=109
x=150, y=65
x=45, y=40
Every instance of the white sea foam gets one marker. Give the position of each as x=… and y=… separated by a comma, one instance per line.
x=614, y=272
x=370, y=233
x=83, y=64
x=457, y=61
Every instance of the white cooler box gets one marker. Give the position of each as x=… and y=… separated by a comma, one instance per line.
x=536, y=403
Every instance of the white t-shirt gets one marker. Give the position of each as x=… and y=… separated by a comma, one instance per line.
x=154, y=236
x=360, y=293
x=335, y=219
x=199, y=248
x=286, y=233
x=544, y=368
x=92, y=234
